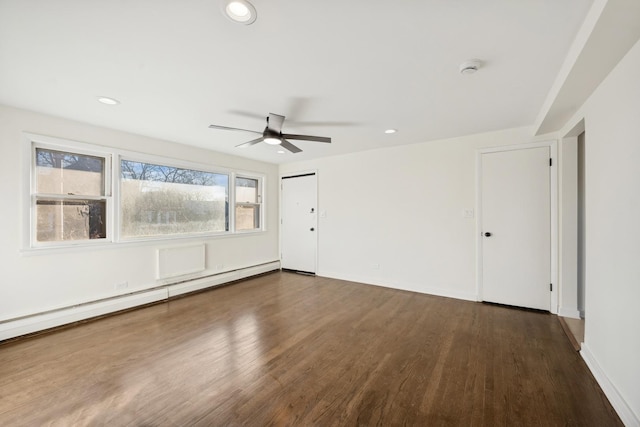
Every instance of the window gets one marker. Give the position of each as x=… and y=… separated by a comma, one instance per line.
x=248, y=198
x=160, y=200
x=69, y=196
x=78, y=194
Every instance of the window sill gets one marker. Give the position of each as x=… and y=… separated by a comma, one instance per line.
x=131, y=243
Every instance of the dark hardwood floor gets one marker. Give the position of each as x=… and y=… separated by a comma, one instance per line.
x=286, y=349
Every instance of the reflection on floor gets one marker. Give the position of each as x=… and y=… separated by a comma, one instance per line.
x=574, y=328
x=287, y=349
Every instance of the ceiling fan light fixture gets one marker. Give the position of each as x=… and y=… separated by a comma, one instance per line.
x=108, y=101
x=272, y=140
x=272, y=135
x=240, y=11
x=390, y=131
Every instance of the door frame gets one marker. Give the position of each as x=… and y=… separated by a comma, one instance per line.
x=291, y=175
x=553, y=194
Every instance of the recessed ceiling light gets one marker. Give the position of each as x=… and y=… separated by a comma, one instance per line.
x=240, y=11
x=280, y=151
x=108, y=101
x=391, y=131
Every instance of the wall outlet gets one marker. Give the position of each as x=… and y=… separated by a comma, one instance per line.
x=122, y=285
x=375, y=265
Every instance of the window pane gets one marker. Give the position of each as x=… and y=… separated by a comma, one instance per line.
x=161, y=200
x=70, y=220
x=59, y=172
x=246, y=190
x=247, y=217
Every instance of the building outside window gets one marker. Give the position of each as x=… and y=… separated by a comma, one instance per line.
x=70, y=197
x=158, y=200
x=71, y=202
x=248, y=203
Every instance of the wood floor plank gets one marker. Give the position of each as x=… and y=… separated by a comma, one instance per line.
x=292, y=350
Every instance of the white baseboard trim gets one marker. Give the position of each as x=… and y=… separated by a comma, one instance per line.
x=625, y=413
x=40, y=322
x=199, y=284
x=51, y=319
x=429, y=290
x=258, y=269
x=220, y=279
x=569, y=312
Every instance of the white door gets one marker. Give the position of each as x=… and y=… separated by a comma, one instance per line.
x=516, y=227
x=299, y=223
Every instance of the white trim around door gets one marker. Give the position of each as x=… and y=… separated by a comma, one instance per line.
x=553, y=179
x=305, y=221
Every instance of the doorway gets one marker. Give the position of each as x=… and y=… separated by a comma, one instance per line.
x=572, y=307
x=575, y=327
x=581, y=229
x=515, y=222
x=298, y=224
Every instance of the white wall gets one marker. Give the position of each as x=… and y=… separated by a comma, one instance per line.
x=35, y=282
x=568, y=194
x=612, y=330
x=395, y=216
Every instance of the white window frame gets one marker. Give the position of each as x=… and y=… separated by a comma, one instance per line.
x=112, y=181
x=260, y=203
x=55, y=144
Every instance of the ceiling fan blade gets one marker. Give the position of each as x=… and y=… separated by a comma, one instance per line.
x=250, y=143
x=307, y=138
x=274, y=122
x=228, y=128
x=289, y=146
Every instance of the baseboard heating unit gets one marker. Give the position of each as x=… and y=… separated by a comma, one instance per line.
x=38, y=322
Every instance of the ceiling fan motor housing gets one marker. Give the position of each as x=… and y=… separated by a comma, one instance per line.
x=271, y=137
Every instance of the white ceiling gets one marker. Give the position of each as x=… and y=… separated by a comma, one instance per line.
x=357, y=66
x=610, y=29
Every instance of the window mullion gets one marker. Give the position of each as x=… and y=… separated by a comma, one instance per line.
x=232, y=202
x=114, y=207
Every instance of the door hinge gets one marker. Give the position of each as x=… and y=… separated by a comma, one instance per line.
x=550, y=162
x=550, y=287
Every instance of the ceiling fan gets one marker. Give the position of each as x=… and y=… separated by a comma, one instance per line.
x=272, y=134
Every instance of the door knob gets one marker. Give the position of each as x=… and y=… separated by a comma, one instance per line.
x=487, y=234
x=312, y=229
